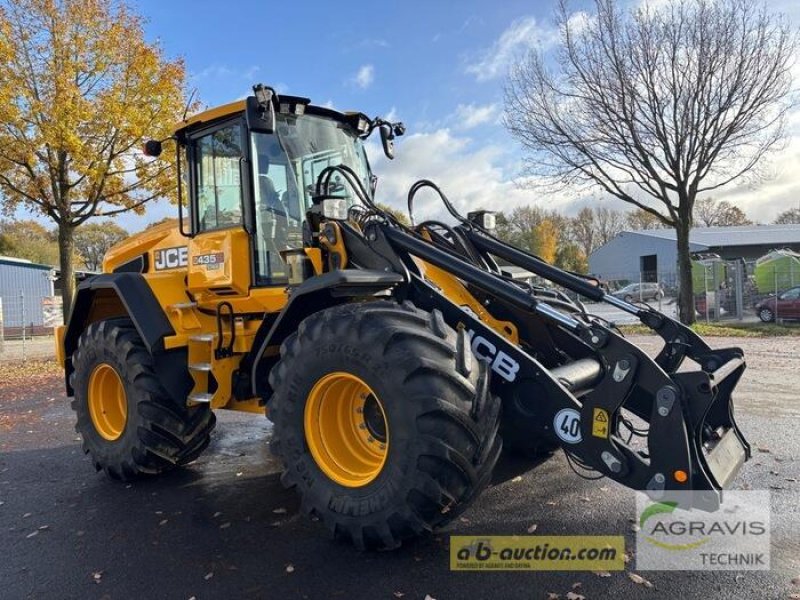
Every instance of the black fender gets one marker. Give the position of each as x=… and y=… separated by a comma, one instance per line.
x=311, y=296
x=126, y=295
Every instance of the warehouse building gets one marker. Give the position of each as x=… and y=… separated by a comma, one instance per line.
x=26, y=292
x=651, y=255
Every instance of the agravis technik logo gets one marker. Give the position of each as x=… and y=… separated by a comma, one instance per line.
x=734, y=537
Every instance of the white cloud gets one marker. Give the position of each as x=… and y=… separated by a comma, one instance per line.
x=364, y=76
x=473, y=177
x=522, y=35
x=220, y=71
x=472, y=115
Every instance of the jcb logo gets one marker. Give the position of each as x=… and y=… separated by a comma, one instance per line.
x=171, y=258
x=501, y=363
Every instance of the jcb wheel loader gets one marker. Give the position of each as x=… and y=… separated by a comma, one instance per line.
x=391, y=360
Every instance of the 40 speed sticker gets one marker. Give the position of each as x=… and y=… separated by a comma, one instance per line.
x=567, y=425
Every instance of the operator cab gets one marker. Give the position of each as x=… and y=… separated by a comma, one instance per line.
x=250, y=172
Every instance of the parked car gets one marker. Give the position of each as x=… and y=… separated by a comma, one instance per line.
x=785, y=305
x=700, y=303
x=640, y=291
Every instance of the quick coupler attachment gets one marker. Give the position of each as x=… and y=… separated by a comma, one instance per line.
x=656, y=432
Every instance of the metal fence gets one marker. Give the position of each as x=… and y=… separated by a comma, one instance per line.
x=722, y=290
x=25, y=319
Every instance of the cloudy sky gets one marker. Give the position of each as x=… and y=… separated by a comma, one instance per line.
x=438, y=66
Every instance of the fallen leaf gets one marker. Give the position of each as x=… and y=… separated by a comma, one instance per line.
x=80, y=533
x=626, y=557
x=553, y=596
x=602, y=573
x=551, y=503
x=398, y=594
x=635, y=527
x=574, y=596
x=163, y=521
x=26, y=515
x=290, y=568
x=464, y=520
x=217, y=514
x=97, y=576
x=532, y=528
x=763, y=449
x=576, y=585
x=586, y=499
x=279, y=511
x=32, y=534
x=44, y=527
x=640, y=580
x=517, y=479
x=429, y=597
x=208, y=575
x=225, y=525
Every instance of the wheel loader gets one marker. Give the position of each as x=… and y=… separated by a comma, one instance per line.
x=393, y=361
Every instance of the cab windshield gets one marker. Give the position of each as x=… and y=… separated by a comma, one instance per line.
x=286, y=165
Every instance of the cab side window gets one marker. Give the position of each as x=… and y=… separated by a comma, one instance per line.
x=219, y=178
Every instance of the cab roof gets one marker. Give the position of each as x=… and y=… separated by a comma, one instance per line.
x=232, y=108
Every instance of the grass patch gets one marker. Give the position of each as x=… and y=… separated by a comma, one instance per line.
x=736, y=329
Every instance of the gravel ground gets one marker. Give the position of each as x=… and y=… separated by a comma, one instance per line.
x=225, y=528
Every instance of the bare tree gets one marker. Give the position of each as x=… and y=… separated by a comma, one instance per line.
x=583, y=230
x=657, y=105
x=713, y=213
x=639, y=219
x=789, y=217
x=609, y=224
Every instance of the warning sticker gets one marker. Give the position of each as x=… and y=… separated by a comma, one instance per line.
x=600, y=423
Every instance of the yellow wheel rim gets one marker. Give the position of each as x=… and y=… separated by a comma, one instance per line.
x=108, y=405
x=346, y=429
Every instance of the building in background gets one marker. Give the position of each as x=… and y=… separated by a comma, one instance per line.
x=26, y=297
x=651, y=255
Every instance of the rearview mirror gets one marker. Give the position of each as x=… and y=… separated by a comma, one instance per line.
x=387, y=139
x=152, y=148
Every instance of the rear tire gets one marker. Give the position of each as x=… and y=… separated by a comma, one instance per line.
x=440, y=420
x=151, y=433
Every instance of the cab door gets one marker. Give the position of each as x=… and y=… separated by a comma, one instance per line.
x=219, y=252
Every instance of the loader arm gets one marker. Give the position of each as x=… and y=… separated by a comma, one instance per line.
x=692, y=442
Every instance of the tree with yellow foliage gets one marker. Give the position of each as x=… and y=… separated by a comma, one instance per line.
x=546, y=236
x=80, y=88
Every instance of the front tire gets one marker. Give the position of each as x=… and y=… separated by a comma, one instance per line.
x=129, y=423
x=402, y=378
x=766, y=315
